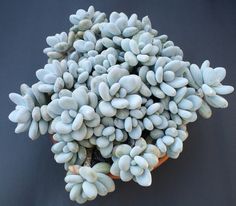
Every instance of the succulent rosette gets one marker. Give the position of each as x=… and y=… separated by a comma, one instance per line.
x=117, y=97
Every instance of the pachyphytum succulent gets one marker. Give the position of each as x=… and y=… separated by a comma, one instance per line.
x=85, y=183
x=135, y=162
x=116, y=96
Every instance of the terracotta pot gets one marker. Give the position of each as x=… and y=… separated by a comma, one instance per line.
x=161, y=161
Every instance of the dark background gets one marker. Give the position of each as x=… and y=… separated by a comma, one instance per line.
x=205, y=173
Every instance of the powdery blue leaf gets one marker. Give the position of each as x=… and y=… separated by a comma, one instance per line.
x=145, y=179
x=124, y=162
x=89, y=189
x=223, y=89
x=134, y=100
x=130, y=58
x=167, y=89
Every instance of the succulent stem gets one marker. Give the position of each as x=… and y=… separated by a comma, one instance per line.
x=88, y=159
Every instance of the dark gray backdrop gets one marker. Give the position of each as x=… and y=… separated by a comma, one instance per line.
x=205, y=173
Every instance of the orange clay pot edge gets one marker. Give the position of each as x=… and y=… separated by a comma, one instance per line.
x=160, y=162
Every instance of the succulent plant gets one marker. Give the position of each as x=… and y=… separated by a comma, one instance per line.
x=85, y=183
x=106, y=137
x=207, y=82
x=54, y=77
x=59, y=45
x=135, y=162
x=66, y=150
x=170, y=141
x=30, y=112
x=117, y=97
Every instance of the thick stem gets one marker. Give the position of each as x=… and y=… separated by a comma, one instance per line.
x=88, y=159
